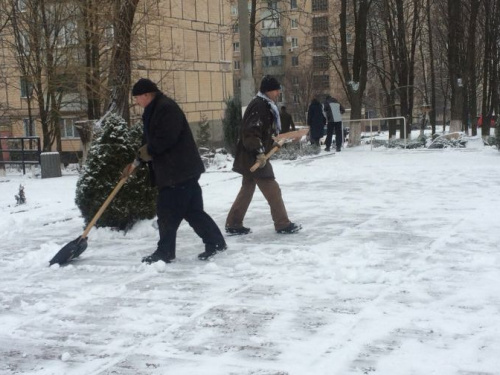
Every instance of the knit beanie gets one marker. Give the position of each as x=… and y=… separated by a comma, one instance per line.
x=143, y=86
x=269, y=83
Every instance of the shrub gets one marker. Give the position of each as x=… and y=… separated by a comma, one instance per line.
x=231, y=124
x=115, y=147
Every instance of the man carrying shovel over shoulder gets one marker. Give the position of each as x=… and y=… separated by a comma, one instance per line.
x=261, y=121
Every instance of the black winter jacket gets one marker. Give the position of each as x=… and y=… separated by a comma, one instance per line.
x=256, y=136
x=171, y=144
x=315, y=119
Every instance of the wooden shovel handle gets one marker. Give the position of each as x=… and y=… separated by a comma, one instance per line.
x=256, y=166
x=108, y=200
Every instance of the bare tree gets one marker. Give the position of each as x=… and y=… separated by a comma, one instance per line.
x=300, y=90
x=120, y=68
x=491, y=62
x=44, y=41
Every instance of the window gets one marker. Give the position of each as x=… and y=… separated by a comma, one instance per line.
x=321, y=81
x=21, y=5
x=296, y=98
x=293, y=4
x=270, y=22
x=319, y=5
x=69, y=33
x=24, y=44
x=272, y=41
x=321, y=62
x=268, y=61
x=236, y=28
x=236, y=64
x=348, y=37
x=295, y=60
x=26, y=87
x=236, y=47
x=320, y=24
x=295, y=42
x=109, y=34
x=234, y=10
x=68, y=129
x=295, y=80
x=272, y=4
x=294, y=24
x=66, y=83
x=320, y=43
x=29, y=127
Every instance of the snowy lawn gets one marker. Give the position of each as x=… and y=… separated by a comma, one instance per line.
x=396, y=271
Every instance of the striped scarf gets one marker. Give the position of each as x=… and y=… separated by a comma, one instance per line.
x=274, y=111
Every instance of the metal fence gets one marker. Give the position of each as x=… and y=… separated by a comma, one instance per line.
x=20, y=151
x=369, y=122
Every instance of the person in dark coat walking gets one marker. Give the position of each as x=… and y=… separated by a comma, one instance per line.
x=261, y=121
x=316, y=121
x=175, y=167
x=333, y=110
x=287, y=123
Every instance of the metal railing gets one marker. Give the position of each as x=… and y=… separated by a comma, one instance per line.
x=370, y=120
x=20, y=150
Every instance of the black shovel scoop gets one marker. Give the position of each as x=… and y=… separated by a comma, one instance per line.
x=76, y=247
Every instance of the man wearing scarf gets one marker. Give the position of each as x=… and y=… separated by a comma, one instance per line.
x=261, y=121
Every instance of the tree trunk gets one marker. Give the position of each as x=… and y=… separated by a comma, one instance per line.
x=120, y=69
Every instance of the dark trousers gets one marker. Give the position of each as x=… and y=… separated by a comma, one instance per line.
x=330, y=128
x=271, y=191
x=184, y=201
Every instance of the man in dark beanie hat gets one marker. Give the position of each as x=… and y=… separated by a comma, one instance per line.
x=261, y=121
x=269, y=83
x=144, y=86
x=175, y=167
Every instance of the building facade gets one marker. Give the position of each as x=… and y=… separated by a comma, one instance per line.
x=183, y=45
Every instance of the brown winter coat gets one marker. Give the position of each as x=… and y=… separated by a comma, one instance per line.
x=256, y=136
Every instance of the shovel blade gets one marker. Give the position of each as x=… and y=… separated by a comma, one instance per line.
x=70, y=251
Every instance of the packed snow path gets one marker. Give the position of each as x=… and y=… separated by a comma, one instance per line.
x=396, y=271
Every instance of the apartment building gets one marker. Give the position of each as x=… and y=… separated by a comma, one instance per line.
x=184, y=45
x=292, y=43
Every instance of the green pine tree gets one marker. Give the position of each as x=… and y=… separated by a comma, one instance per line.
x=231, y=124
x=203, y=133
x=115, y=147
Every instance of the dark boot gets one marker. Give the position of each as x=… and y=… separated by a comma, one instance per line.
x=291, y=228
x=237, y=231
x=157, y=256
x=211, y=250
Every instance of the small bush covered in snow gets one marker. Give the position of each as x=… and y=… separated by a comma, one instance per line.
x=115, y=147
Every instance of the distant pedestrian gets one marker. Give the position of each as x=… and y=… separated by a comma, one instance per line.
x=333, y=110
x=175, y=165
x=260, y=121
x=287, y=123
x=316, y=121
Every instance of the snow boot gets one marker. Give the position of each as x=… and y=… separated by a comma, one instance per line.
x=211, y=250
x=237, y=231
x=157, y=256
x=291, y=228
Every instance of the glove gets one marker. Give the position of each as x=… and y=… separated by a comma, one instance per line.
x=276, y=144
x=261, y=159
x=143, y=154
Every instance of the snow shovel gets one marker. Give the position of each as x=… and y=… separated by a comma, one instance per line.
x=281, y=139
x=76, y=247
x=256, y=166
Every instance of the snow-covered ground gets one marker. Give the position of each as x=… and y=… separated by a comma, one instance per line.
x=396, y=271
